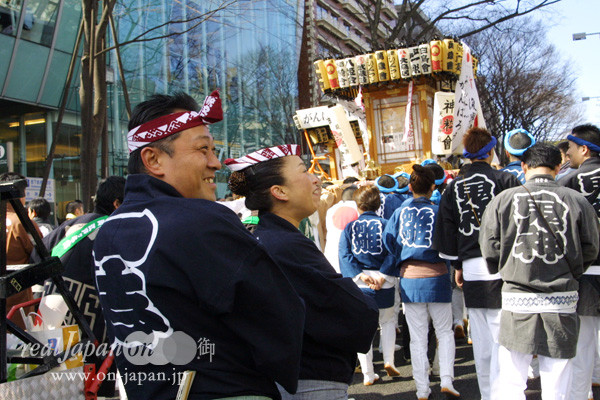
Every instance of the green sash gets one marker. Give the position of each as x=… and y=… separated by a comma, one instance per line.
x=73, y=238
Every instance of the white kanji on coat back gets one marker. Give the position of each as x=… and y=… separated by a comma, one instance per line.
x=588, y=183
x=477, y=187
x=131, y=309
x=533, y=239
x=416, y=227
x=367, y=237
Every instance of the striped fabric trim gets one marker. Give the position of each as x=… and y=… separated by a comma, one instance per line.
x=535, y=303
x=265, y=154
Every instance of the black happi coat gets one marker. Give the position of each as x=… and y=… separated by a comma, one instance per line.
x=586, y=179
x=79, y=271
x=515, y=241
x=165, y=264
x=458, y=223
x=340, y=320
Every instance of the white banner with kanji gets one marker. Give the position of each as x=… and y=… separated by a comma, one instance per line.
x=467, y=109
x=443, y=122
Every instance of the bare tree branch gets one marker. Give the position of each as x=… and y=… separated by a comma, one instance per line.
x=199, y=18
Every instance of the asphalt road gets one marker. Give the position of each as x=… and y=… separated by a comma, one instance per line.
x=403, y=387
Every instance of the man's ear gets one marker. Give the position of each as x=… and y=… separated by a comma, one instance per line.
x=524, y=167
x=151, y=159
x=116, y=203
x=279, y=193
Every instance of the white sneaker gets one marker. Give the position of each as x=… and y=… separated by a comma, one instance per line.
x=450, y=391
x=368, y=381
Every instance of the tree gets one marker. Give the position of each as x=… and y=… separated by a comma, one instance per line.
x=523, y=83
x=269, y=92
x=96, y=17
x=420, y=20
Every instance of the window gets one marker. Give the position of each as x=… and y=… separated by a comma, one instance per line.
x=10, y=12
x=40, y=21
x=321, y=12
x=389, y=116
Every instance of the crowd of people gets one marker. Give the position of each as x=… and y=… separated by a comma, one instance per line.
x=289, y=317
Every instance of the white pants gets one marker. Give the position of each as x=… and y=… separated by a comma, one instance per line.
x=583, y=363
x=485, y=326
x=555, y=374
x=387, y=322
x=458, y=307
x=397, y=301
x=417, y=318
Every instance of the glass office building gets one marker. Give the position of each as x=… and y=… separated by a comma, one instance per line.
x=248, y=50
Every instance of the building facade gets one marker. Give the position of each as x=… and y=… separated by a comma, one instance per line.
x=249, y=50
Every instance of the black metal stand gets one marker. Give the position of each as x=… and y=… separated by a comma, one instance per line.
x=16, y=281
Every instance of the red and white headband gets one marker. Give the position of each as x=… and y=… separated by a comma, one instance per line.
x=167, y=125
x=266, y=154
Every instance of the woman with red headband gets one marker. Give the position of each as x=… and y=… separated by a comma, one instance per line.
x=340, y=320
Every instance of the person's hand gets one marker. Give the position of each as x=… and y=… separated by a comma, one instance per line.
x=458, y=278
x=367, y=279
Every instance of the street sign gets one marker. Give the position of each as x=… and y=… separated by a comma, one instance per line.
x=33, y=189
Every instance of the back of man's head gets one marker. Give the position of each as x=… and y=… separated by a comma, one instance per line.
x=589, y=133
x=41, y=207
x=542, y=155
x=109, y=190
x=351, y=179
x=73, y=206
x=348, y=193
x=563, y=146
x=157, y=106
x=386, y=181
x=519, y=141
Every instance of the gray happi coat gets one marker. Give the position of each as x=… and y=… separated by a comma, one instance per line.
x=515, y=242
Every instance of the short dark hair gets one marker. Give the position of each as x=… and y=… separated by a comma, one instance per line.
x=73, y=205
x=348, y=193
x=351, y=179
x=542, y=155
x=109, y=190
x=421, y=179
x=255, y=183
x=386, y=181
x=41, y=207
x=589, y=133
x=367, y=198
x=157, y=106
x=476, y=139
x=519, y=140
x=563, y=146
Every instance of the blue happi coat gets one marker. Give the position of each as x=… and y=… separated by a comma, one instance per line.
x=514, y=168
x=408, y=236
x=390, y=202
x=361, y=248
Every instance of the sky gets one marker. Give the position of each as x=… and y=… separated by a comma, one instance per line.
x=575, y=16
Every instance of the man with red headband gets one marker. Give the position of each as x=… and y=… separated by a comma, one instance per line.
x=183, y=285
